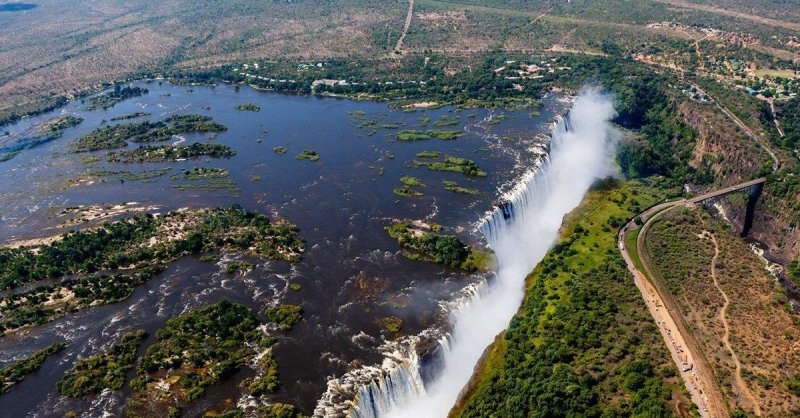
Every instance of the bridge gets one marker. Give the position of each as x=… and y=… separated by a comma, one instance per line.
x=751, y=188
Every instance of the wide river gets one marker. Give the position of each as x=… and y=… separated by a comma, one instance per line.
x=352, y=273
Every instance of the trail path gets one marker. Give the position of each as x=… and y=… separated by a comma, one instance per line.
x=727, y=333
x=774, y=118
x=399, y=47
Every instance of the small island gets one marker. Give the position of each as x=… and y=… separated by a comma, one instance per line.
x=250, y=107
x=160, y=153
x=422, y=242
x=309, y=155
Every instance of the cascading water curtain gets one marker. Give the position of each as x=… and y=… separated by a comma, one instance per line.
x=520, y=233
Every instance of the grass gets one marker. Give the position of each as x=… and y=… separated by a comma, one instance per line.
x=307, y=155
x=444, y=135
x=411, y=135
x=429, y=154
x=411, y=181
x=454, y=164
x=250, y=107
x=455, y=188
x=633, y=250
x=406, y=191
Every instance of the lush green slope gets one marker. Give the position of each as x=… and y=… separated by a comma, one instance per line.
x=582, y=343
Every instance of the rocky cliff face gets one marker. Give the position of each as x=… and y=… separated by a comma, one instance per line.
x=733, y=158
x=721, y=145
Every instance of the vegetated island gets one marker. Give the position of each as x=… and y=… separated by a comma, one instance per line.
x=413, y=135
x=160, y=153
x=453, y=186
x=107, y=100
x=109, y=262
x=454, y=164
x=104, y=370
x=407, y=189
x=134, y=115
x=194, y=351
x=117, y=136
x=423, y=242
x=16, y=372
x=45, y=132
x=207, y=179
x=309, y=155
x=248, y=107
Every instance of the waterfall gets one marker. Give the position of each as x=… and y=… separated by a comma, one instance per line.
x=520, y=231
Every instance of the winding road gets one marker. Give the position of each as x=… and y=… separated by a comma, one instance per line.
x=726, y=336
x=694, y=370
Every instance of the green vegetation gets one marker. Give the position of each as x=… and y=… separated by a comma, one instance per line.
x=444, y=135
x=104, y=370
x=57, y=127
x=793, y=272
x=276, y=410
x=106, y=100
x=454, y=187
x=267, y=379
x=202, y=173
x=117, y=136
x=158, y=153
x=235, y=266
x=284, y=316
x=412, y=135
x=248, y=107
x=447, y=120
x=136, y=249
x=429, y=154
x=193, y=351
x=794, y=384
x=411, y=181
x=107, y=176
x=295, y=287
x=392, y=324
x=455, y=164
x=8, y=156
x=15, y=372
x=406, y=191
x=443, y=249
x=308, y=155
x=130, y=116
x=582, y=344
x=280, y=150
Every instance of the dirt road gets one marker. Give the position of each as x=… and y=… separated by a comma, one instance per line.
x=745, y=390
x=698, y=381
x=399, y=47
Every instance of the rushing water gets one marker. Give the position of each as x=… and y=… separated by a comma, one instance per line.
x=520, y=232
x=352, y=273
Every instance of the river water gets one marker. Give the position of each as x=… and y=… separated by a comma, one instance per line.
x=352, y=273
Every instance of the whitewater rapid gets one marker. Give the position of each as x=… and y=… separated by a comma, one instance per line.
x=520, y=232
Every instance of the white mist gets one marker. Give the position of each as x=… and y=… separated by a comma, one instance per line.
x=582, y=147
